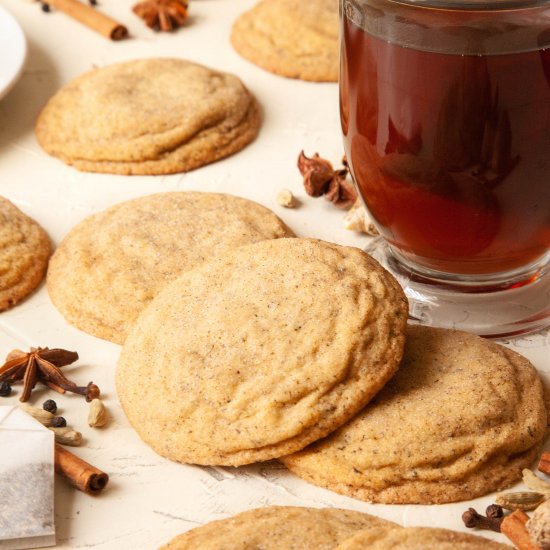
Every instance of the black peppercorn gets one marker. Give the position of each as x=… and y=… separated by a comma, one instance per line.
x=93, y=2
x=5, y=389
x=45, y=7
x=50, y=405
x=58, y=422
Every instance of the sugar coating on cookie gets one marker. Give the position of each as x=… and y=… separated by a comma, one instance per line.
x=262, y=351
x=416, y=538
x=461, y=418
x=24, y=252
x=278, y=528
x=292, y=38
x=112, y=264
x=148, y=116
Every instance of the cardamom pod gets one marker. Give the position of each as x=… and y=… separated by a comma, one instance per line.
x=67, y=436
x=44, y=417
x=520, y=501
x=286, y=198
x=535, y=483
x=97, y=417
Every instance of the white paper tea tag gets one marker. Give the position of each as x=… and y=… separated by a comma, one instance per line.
x=26, y=481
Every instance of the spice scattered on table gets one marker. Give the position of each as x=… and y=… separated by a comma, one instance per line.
x=357, y=219
x=43, y=365
x=320, y=178
x=58, y=422
x=162, y=15
x=44, y=417
x=97, y=417
x=514, y=527
x=5, y=389
x=286, y=198
x=50, y=405
x=87, y=15
x=83, y=476
x=526, y=500
x=66, y=435
x=473, y=519
x=544, y=463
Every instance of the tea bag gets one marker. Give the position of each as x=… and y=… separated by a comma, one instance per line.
x=26, y=481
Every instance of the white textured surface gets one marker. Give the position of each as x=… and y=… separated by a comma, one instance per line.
x=150, y=499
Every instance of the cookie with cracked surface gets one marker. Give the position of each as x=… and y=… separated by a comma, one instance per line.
x=25, y=249
x=112, y=264
x=461, y=418
x=278, y=528
x=417, y=538
x=291, y=38
x=149, y=116
x=264, y=350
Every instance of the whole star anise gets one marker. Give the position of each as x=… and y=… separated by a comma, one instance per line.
x=320, y=178
x=43, y=365
x=162, y=15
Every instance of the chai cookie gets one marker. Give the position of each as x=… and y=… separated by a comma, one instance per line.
x=278, y=528
x=293, y=38
x=25, y=249
x=149, y=116
x=417, y=538
x=461, y=418
x=261, y=351
x=112, y=264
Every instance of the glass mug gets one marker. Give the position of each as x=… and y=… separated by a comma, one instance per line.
x=445, y=111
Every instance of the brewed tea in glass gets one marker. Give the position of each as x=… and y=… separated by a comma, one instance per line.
x=445, y=111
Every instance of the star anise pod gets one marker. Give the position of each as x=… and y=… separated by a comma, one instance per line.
x=162, y=15
x=320, y=178
x=43, y=365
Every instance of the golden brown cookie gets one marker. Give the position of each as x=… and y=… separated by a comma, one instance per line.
x=149, y=116
x=24, y=252
x=112, y=264
x=277, y=528
x=417, y=538
x=460, y=419
x=261, y=351
x=293, y=38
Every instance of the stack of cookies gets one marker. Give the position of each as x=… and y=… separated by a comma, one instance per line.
x=265, y=351
x=245, y=344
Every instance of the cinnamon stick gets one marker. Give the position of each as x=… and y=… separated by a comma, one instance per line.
x=544, y=463
x=83, y=476
x=513, y=526
x=92, y=18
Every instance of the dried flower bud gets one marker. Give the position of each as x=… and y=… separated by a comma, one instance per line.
x=317, y=173
x=341, y=192
x=67, y=436
x=494, y=511
x=92, y=392
x=97, y=417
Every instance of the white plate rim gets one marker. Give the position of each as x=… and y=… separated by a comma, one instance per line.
x=13, y=51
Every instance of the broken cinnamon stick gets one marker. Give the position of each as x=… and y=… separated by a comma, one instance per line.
x=513, y=526
x=544, y=463
x=83, y=476
x=90, y=17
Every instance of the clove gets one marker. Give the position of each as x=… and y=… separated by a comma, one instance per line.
x=474, y=520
